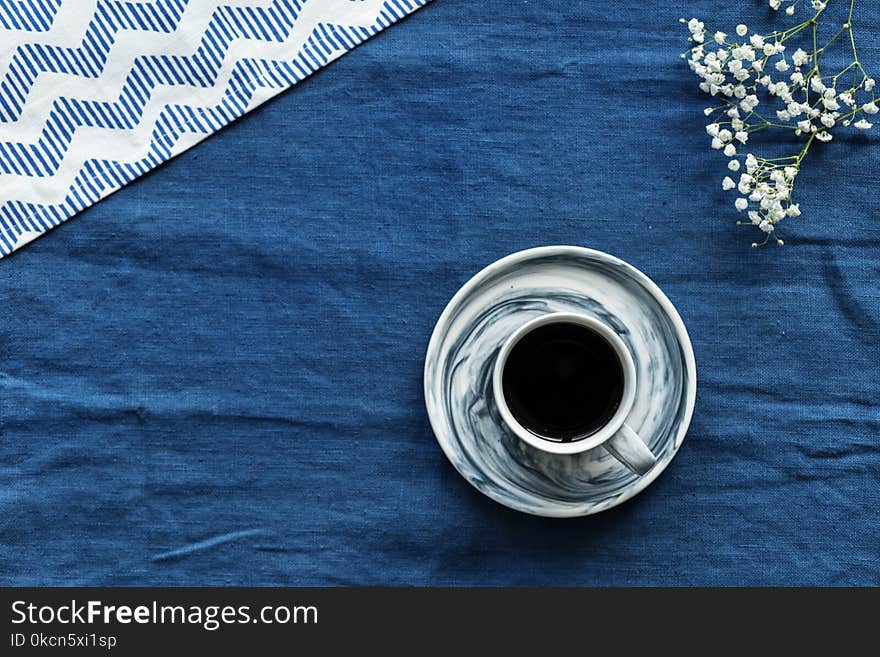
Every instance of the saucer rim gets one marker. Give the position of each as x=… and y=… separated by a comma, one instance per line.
x=579, y=252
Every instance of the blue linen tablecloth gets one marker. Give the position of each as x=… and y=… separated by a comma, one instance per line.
x=214, y=377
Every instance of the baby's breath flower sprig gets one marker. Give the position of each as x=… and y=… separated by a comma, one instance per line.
x=752, y=70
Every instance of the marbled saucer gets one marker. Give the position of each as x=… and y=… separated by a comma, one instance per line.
x=493, y=304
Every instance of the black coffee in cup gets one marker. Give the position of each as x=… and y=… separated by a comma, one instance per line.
x=563, y=381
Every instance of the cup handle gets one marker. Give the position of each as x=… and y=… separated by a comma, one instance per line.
x=628, y=448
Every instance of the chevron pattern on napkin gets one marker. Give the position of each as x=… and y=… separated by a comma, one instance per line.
x=94, y=93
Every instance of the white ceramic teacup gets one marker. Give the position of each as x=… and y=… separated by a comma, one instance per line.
x=614, y=435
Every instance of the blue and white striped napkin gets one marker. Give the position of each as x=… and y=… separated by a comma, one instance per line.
x=94, y=93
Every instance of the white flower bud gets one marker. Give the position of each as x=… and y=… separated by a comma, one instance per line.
x=830, y=104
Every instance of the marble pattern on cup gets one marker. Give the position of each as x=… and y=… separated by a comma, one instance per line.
x=466, y=342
